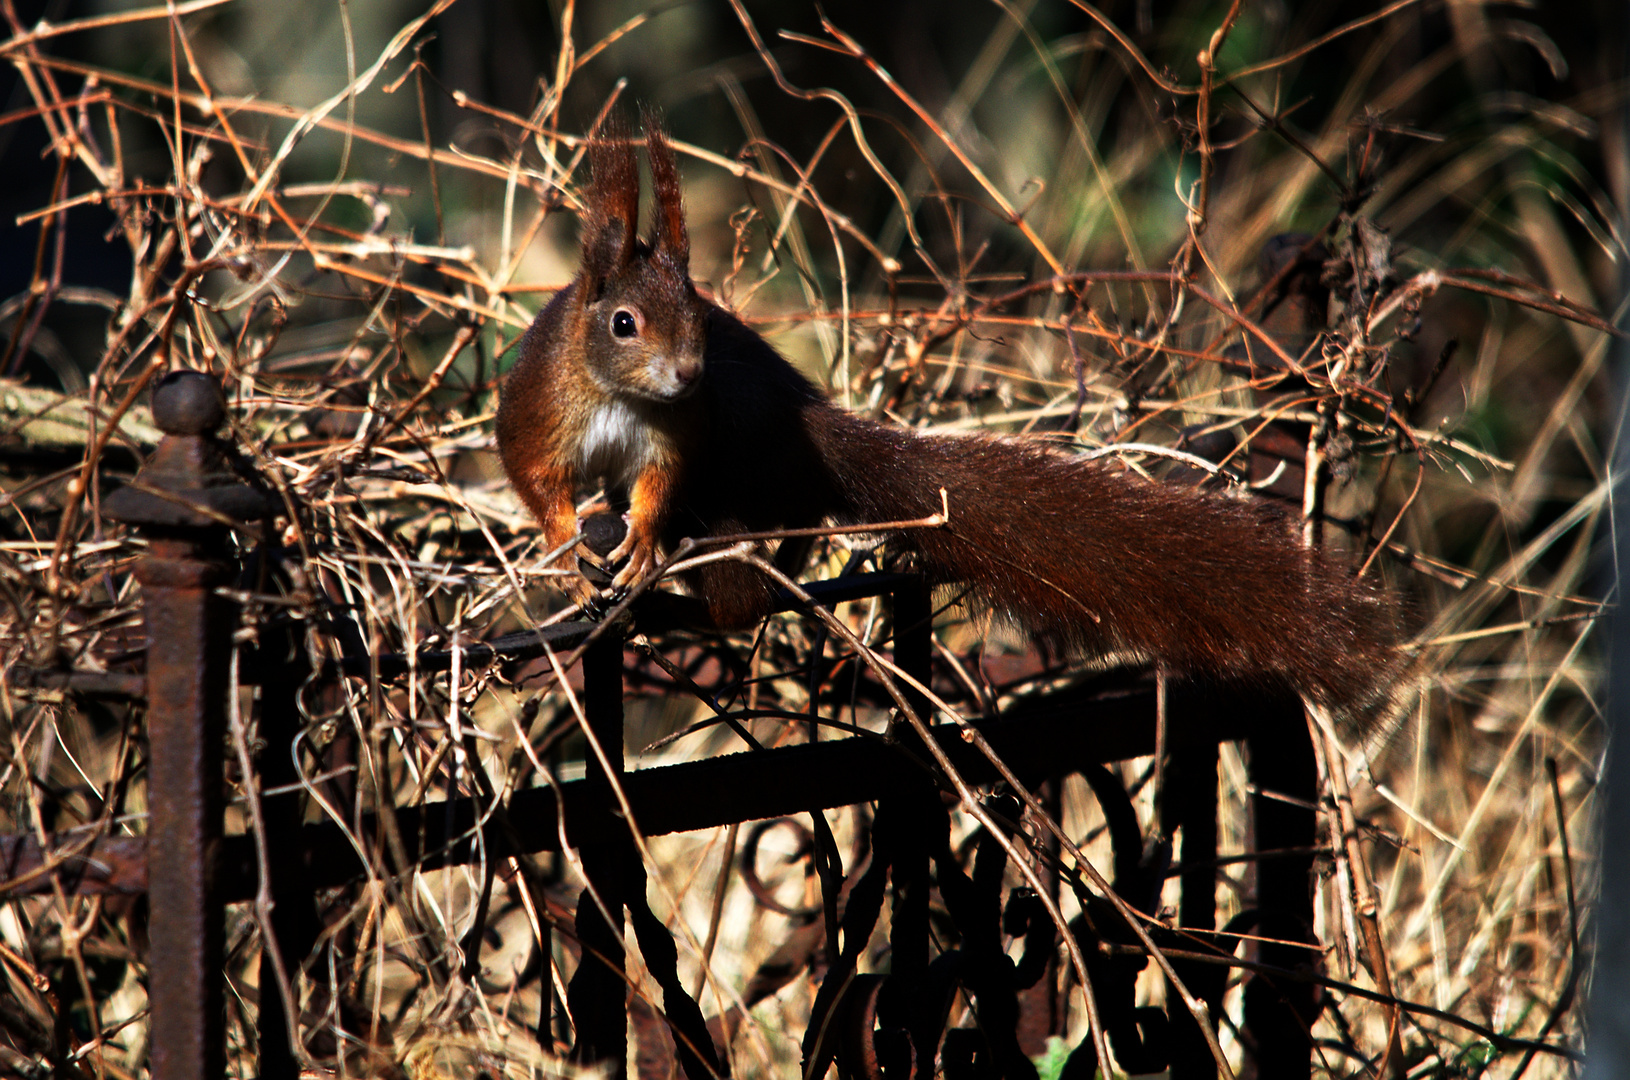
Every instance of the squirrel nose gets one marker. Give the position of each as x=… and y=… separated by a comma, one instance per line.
x=687, y=371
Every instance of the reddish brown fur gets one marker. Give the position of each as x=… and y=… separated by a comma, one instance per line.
x=1076, y=550
x=611, y=211
x=671, y=238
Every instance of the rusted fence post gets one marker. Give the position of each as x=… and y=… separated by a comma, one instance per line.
x=916, y=825
x=598, y=992
x=281, y=664
x=182, y=502
x=1194, y=807
x=1278, y=1013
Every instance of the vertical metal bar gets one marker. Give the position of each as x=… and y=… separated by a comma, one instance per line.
x=918, y=823
x=186, y=493
x=1195, y=797
x=598, y=992
x=914, y=639
x=284, y=670
x=549, y=1007
x=187, y=635
x=1278, y=1014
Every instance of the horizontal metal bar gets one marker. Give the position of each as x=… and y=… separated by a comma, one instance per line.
x=83, y=863
x=1102, y=720
x=112, y=684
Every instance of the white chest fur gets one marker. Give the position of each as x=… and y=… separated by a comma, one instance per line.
x=617, y=443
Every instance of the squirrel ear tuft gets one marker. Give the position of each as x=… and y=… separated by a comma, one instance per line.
x=670, y=238
x=612, y=206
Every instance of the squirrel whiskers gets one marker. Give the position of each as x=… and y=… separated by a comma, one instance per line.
x=631, y=377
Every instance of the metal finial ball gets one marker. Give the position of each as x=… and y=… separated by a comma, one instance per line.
x=188, y=403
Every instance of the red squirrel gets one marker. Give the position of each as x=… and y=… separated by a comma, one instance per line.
x=631, y=377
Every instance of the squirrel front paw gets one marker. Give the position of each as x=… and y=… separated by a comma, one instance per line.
x=637, y=552
x=600, y=604
x=596, y=595
x=584, y=593
x=641, y=561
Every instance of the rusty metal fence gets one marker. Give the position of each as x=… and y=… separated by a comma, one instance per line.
x=950, y=930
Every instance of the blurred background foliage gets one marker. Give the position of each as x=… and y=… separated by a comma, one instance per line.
x=1497, y=124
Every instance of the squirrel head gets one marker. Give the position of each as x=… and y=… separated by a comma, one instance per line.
x=638, y=317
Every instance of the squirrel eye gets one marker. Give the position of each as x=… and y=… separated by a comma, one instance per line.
x=623, y=323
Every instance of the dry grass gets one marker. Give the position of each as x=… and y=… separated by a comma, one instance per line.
x=1013, y=255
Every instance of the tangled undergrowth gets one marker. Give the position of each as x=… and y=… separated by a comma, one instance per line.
x=1353, y=260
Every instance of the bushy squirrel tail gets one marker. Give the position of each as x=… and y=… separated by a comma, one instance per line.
x=1109, y=563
